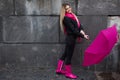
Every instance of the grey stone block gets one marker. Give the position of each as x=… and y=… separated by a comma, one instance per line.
x=113, y=59
x=37, y=55
x=30, y=29
x=41, y=7
x=38, y=7
x=98, y=7
x=118, y=67
x=6, y=7
x=0, y=54
x=30, y=55
x=1, y=29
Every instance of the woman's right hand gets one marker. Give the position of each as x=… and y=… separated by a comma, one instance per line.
x=86, y=37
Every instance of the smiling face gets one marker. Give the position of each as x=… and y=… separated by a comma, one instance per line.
x=68, y=9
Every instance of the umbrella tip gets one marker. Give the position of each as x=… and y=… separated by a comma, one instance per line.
x=115, y=24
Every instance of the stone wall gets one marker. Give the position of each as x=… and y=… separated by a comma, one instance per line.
x=30, y=35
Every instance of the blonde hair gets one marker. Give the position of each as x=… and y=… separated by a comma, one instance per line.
x=62, y=14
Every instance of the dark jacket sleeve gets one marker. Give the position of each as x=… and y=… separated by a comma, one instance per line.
x=69, y=25
x=81, y=27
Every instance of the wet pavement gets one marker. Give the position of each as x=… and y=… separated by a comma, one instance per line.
x=37, y=73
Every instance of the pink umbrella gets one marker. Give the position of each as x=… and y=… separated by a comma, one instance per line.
x=101, y=46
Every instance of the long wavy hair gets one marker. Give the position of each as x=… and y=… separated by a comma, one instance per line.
x=62, y=14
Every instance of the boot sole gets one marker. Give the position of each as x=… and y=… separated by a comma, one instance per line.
x=59, y=73
x=70, y=77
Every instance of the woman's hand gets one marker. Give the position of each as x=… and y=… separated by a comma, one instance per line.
x=86, y=37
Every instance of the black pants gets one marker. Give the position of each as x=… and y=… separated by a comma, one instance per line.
x=69, y=49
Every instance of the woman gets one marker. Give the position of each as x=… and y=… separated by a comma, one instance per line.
x=70, y=24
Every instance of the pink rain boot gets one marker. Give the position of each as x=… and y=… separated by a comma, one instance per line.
x=68, y=72
x=59, y=67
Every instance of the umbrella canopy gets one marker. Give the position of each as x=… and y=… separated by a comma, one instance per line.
x=101, y=46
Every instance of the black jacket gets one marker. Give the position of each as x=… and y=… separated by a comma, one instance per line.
x=72, y=27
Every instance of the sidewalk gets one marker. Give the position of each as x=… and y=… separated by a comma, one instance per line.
x=49, y=74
